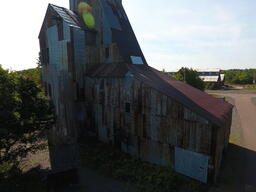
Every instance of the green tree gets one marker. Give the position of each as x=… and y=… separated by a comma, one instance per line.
x=24, y=114
x=239, y=76
x=190, y=77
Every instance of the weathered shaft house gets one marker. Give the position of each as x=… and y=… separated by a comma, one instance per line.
x=101, y=85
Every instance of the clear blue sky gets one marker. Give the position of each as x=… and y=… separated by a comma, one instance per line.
x=172, y=33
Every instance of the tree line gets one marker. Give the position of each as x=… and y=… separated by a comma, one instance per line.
x=240, y=76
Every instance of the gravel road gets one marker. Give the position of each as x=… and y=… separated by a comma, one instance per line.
x=238, y=172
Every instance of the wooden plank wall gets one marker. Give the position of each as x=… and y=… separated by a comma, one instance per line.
x=153, y=125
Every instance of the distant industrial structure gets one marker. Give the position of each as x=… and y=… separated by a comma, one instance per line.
x=213, y=77
x=101, y=85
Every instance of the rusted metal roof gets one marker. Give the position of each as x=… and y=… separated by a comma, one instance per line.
x=212, y=109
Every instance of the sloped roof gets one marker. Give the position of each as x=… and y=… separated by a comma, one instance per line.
x=67, y=15
x=71, y=18
x=122, y=31
x=214, y=110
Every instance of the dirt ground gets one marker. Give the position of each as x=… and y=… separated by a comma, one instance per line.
x=238, y=172
x=90, y=180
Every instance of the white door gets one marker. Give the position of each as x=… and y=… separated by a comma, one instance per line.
x=191, y=164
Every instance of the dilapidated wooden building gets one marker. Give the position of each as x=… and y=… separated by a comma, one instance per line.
x=101, y=85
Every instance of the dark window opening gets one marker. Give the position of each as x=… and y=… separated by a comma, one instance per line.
x=44, y=56
x=102, y=85
x=47, y=56
x=45, y=89
x=127, y=107
x=50, y=90
x=107, y=52
x=77, y=92
x=82, y=94
x=90, y=38
x=60, y=30
x=144, y=127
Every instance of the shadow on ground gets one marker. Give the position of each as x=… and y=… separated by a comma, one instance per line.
x=17, y=181
x=238, y=171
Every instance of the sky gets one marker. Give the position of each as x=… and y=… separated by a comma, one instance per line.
x=199, y=34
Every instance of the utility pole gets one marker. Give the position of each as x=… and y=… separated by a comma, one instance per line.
x=254, y=78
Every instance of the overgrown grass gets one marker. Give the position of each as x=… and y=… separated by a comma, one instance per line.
x=234, y=138
x=250, y=86
x=142, y=175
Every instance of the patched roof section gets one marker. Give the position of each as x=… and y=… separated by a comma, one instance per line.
x=214, y=110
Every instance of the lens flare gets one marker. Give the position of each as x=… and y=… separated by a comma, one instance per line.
x=84, y=8
x=88, y=19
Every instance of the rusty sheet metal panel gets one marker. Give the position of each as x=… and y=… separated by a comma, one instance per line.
x=52, y=34
x=191, y=164
x=79, y=52
x=66, y=32
x=110, y=16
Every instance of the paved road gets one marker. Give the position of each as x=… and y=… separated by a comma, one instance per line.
x=238, y=172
